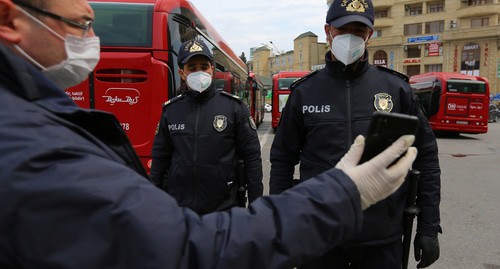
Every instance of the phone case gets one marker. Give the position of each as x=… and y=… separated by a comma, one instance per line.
x=384, y=129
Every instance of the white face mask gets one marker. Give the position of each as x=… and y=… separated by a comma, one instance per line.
x=199, y=81
x=82, y=57
x=347, y=48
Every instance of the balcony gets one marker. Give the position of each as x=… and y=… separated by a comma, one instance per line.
x=480, y=10
x=385, y=41
x=383, y=3
x=471, y=33
x=384, y=22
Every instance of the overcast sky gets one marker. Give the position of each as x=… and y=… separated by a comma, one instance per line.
x=245, y=24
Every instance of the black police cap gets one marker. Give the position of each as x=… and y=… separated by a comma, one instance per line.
x=342, y=12
x=192, y=48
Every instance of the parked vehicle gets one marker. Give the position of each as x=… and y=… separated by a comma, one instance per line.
x=453, y=102
x=494, y=113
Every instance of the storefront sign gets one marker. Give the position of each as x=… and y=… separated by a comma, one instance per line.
x=434, y=49
x=423, y=38
x=411, y=61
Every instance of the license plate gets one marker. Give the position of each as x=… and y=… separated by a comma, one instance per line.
x=462, y=122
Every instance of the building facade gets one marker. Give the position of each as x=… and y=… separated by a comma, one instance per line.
x=412, y=37
x=307, y=54
x=461, y=36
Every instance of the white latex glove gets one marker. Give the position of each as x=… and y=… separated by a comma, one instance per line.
x=374, y=180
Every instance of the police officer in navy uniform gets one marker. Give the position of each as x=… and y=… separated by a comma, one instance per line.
x=327, y=110
x=201, y=135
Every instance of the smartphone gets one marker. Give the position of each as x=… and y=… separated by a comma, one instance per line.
x=384, y=129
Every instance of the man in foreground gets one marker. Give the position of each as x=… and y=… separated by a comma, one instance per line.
x=74, y=194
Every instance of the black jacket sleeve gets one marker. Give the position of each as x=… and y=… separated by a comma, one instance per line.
x=429, y=186
x=287, y=144
x=248, y=149
x=110, y=217
x=161, y=153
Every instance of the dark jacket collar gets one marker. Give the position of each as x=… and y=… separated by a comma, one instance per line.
x=22, y=79
x=350, y=72
x=203, y=96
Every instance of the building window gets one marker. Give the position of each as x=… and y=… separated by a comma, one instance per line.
x=476, y=2
x=380, y=58
x=377, y=33
x=300, y=55
x=290, y=60
x=381, y=14
x=413, y=51
x=436, y=7
x=433, y=68
x=412, y=70
x=434, y=27
x=478, y=22
x=413, y=29
x=413, y=10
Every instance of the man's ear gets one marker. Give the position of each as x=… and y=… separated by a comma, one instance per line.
x=8, y=22
x=327, y=31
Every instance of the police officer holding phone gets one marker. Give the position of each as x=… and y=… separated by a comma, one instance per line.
x=326, y=110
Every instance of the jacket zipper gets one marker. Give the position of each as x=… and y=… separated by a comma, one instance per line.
x=349, y=116
x=195, y=157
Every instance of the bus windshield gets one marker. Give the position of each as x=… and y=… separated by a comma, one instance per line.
x=464, y=86
x=284, y=83
x=123, y=25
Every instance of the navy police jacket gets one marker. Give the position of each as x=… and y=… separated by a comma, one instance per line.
x=73, y=195
x=325, y=112
x=199, y=139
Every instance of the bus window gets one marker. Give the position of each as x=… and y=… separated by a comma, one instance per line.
x=428, y=96
x=462, y=86
x=123, y=25
x=284, y=83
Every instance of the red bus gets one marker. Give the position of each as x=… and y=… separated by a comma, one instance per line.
x=138, y=69
x=453, y=102
x=255, y=98
x=281, y=90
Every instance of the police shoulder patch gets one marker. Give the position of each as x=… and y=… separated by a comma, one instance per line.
x=396, y=73
x=252, y=123
x=170, y=101
x=230, y=95
x=302, y=79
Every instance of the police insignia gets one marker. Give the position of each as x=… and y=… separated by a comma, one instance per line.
x=252, y=123
x=383, y=102
x=355, y=5
x=195, y=47
x=220, y=123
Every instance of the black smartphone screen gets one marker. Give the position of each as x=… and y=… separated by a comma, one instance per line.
x=384, y=129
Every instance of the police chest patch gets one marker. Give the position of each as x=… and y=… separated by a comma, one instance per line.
x=252, y=123
x=383, y=102
x=220, y=123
